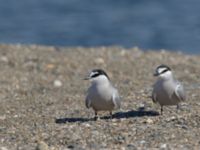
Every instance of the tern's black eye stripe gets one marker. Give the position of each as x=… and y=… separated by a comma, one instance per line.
x=164, y=71
x=95, y=75
x=98, y=72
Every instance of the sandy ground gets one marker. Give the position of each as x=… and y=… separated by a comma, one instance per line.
x=42, y=100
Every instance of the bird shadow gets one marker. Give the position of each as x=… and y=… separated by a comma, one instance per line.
x=141, y=112
x=73, y=120
x=132, y=114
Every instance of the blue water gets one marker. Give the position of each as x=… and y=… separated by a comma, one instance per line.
x=148, y=24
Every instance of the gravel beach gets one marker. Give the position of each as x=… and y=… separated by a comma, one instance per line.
x=42, y=95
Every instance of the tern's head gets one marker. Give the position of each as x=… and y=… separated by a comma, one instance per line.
x=163, y=71
x=97, y=75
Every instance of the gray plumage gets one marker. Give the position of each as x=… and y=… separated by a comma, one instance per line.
x=101, y=95
x=167, y=90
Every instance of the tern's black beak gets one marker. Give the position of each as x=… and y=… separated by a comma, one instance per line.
x=87, y=78
x=156, y=74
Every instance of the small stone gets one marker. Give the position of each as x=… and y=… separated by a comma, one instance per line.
x=3, y=117
x=87, y=125
x=163, y=146
x=70, y=146
x=149, y=121
x=142, y=142
x=15, y=116
x=50, y=66
x=42, y=146
x=4, y=59
x=4, y=148
x=2, y=140
x=123, y=52
x=185, y=127
x=171, y=119
x=132, y=147
x=53, y=148
x=141, y=106
x=99, y=61
x=57, y=83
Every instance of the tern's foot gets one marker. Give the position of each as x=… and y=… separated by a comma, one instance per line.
x=161, y=110
x=177, y=108
x=96, y=117
x=111, y=116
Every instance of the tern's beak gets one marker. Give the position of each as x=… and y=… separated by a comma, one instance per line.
x=87, y=78
x=156, y=74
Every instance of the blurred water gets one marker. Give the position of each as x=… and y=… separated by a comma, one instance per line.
x=155, y=24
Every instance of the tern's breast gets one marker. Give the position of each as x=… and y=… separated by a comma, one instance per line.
x=164, y=93
x=101, y=97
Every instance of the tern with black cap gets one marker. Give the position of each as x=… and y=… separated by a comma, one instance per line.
x=167, y=90
x=101, y=95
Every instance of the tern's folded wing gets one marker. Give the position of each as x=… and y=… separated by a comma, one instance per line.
x=180, y=92
x=116, y=99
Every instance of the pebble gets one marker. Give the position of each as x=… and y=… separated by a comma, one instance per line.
x=149, y=121
x=15, y=116
x=163, y=146
x=50, y=66
x=87, y=125
x=4, y=148
x=141, y=105
x=57, y=83
x=2, y=140
x=3, y=117
x=123, y=52
x=132, y=147
x=70, y=146
x=99, y=61
x=41, y=145
x=142, y=142
x=171, y=119
x=4, y=59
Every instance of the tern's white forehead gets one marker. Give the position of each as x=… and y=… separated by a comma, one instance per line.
x=94, y=73
x=164, y=73
x=162, y=69
x=98, y=72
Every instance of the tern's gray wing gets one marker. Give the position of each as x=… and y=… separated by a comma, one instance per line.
x=180, y=92
x=153, y=96
x=116, y=99
x=87, y=102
